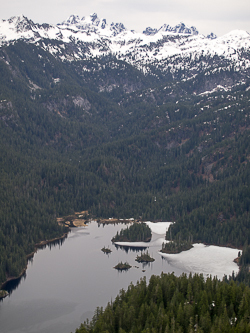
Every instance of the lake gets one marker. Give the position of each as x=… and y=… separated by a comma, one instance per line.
x=64, y=283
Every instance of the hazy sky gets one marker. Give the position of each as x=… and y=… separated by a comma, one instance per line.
x=218, y=16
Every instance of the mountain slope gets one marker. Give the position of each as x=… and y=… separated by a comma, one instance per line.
x=89, y=121
x=169, y=50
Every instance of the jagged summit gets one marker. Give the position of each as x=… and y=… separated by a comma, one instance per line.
x=16, y=19
x=92, y=23
x=211, y=36
x=150, y=31
x=88, y=21
x=91, y=36
x=180, y=28
x=20, y=23
x=87, y=24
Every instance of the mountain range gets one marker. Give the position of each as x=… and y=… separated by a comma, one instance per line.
x=97, y=118
x=179, y=52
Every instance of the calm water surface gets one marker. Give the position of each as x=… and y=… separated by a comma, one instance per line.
x=65, y=283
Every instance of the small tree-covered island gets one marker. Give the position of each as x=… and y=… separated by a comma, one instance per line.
x=106, y=250
x=137, y=232
x=144, y=257
x=122, y=266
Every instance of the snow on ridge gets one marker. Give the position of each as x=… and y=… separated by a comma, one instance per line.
x=138, y=49
x=92, y=23
x=180, y=28
x=237, y=33
x=20, y=27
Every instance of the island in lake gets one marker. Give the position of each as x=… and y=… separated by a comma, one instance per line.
x=137, y=232
x=122, y=266
x=144, y=257
x=106, y=250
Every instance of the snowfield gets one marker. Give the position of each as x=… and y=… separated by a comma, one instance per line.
x=159, y=228
x=202, y=259
x=208, y=260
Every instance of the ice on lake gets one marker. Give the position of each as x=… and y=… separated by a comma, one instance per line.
x=205, y=259
x=202, y=259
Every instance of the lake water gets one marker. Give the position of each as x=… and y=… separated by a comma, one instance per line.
x=65, y=283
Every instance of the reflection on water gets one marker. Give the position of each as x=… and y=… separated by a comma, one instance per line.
x=65, y=282
x=68, y=279
x=146, y=264
x=50, y=245
x=11, y=285
x=130, y=248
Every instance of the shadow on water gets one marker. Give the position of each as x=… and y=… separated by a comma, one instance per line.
x=13, y=284
x=51, y=244
x=124, y=270
x=146, y=264
x=130, y=248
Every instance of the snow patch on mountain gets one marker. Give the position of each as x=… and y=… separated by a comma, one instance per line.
x=20, y=27
x=167, y=49
x=92, y=24
x=180, y=28
x=84, y=29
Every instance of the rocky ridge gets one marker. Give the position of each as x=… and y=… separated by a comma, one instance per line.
x=178, y=52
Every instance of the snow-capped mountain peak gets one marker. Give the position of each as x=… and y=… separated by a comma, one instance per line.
x=94, y=37
x=72, y=19
x=150, y=31
x=20, y=23
x=180, y=28
x=92, y=23
x=211, y=36
x=20, y=27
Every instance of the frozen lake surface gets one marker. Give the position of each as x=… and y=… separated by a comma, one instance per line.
x=208, y=260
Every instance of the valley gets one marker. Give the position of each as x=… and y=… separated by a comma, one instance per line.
x=99, y=119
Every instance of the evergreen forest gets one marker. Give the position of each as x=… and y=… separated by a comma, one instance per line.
x=158, y=151
x=175, y=304
x=137, y=232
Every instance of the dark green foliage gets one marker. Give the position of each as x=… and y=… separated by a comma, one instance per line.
x=122, y=266
x=137, y=232
x=176, y=246
x=144, y=257
x=154, y=154
x=106, y=250
x=176, y=304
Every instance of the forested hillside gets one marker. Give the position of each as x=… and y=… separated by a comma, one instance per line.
x=175, y=304
x=143, y=146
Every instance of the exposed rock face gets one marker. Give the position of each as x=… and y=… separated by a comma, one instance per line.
x=170, y=52
x=82, y=103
